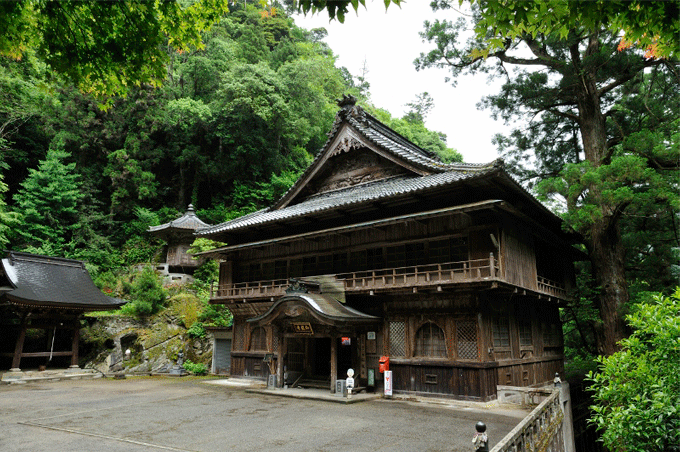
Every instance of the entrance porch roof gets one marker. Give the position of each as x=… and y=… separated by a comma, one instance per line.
x=325, y=309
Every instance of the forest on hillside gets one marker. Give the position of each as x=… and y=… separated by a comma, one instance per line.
x=229, y=131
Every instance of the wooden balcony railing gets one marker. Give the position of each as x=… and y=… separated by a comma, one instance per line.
x=414, y=276
x=422, y=275
x=253, y=289
x=551, y=287
x=387, y=279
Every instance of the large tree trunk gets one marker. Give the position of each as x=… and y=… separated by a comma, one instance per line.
x=607, y=258
x=603, y=237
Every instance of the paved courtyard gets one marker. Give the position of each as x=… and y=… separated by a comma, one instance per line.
x=146, y=413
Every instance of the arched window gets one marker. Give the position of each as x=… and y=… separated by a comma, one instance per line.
x=430, y=341
x=258, y=339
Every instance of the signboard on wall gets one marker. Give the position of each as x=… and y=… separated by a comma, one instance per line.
x=388, y=383
x=303, y=328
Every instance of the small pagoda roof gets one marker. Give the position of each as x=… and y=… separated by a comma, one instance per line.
x=186, y=224
x=31, y=280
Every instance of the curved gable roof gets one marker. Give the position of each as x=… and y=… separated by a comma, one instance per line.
x=323, y=307
x=354, y=128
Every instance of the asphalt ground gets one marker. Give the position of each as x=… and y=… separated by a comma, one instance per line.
x=187, y=414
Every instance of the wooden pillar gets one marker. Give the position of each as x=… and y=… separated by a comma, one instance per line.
x=283, y=349
x=74, y=344
x=19, y=346
x=363, y=373
x=334, y=362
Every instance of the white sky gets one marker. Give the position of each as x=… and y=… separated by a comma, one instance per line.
x=389, y=42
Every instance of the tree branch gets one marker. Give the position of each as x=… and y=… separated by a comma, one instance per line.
x=564, y=114
x=628, y=75
x=541, y=52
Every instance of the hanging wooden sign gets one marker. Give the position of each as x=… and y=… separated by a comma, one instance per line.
x=303, y=328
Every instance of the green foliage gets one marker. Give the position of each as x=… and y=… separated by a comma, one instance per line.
x=216, y=315
x=637, y=390
x=651, y=25
x=195, y=368
x=186, y=307
x=412, y=128
x=208, y=271
x=196, y=330
x=105, y=47
x=592, y=191
x=212, y=314
x=420, y=108
x=146, y=293
x=336, y=8
x=8, y=220
x=49, y=200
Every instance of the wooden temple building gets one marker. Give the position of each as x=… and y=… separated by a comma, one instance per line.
x=47, y=295
x=178, y=235
x=453, y=271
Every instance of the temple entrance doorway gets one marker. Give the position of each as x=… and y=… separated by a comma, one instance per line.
x=346, y=348
x=308, y=361
x=320, y=357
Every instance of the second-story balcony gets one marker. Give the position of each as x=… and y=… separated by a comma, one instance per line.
x=435, y=277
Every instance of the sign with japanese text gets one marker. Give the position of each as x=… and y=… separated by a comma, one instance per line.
x=303, y=328
x=388, y=382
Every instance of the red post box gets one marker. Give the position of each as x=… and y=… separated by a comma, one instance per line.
x=384, y=364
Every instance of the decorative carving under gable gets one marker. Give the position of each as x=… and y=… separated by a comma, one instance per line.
x=294, y=311
x=345, y=145
x=357, y=167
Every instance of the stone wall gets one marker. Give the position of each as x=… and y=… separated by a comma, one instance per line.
x=154, y=344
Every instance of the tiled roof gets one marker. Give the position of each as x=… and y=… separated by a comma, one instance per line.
x=189, y=221
x=382, y=136
x=369, y=192
x=52, y=282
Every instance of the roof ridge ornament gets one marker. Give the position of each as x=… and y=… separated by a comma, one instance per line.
x=350, y=109
x=348, y=101
x=296, y=286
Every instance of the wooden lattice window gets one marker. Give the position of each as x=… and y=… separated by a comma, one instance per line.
x=258, y=339
x=324, y=264
x=501, y=332
x=239, y=336
x=551, y=334
x=296, y=268
x=275, y=339
x=525, y=337
x=430, y=341
x=397, y=338
x=280, y=269
x=466, y=332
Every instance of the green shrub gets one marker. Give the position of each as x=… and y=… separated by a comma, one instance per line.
x=196, y=330
x=147, y=294
x=637, y=390
x=195, y=368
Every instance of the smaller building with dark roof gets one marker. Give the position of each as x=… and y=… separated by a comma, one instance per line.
x=179, y=235
x=46, y=293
